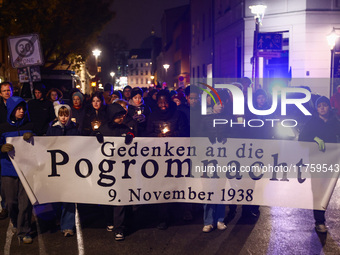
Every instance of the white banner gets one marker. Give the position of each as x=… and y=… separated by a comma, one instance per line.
x=160, y=170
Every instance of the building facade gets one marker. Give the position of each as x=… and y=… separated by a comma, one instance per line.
x=140, y=66
x=304, y=57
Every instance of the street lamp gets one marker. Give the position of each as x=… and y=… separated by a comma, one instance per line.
x=96, y=53
x=331, y=39
x=166, y=67
x=258, y=11
x=112, y=74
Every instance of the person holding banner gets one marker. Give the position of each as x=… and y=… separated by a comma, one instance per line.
x=115, y=215
x=322, y=128
x=64, y=126
x=17, y=201
x=166, y=121
x=6, y=91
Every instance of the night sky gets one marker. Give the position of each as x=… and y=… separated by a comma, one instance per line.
x=135, y=18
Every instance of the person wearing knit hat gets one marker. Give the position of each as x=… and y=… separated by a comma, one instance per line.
x=322, y=128
x=323, y=99
x=135, y=91
x=138, y=110
x=116, y=95
x=78, y=111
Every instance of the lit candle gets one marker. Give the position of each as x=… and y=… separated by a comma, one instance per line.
x=165, y=130
x=139, y=112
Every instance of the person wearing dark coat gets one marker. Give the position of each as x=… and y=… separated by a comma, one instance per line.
x=78, y=110
x=166, y=120
x=41, y=111
x=6, y=91
x=138, y=110
x=60, y=127
x=115, y=127
x=151, y=100
x=95, y=114
x=322, y=128
x=17, y=202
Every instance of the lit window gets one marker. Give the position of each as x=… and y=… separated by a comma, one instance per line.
x=146, y=64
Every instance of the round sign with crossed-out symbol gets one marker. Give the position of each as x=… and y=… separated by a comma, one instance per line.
x=24, y=48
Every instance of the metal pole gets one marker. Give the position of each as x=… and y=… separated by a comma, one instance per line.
x=332, y=74
x=257, y=29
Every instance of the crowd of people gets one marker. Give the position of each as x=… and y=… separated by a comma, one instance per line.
x=142, y=112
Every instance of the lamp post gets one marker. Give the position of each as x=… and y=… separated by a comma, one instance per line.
x=96, y=54
x=112, y=74
x=166, y=67
x=332, y=38
x=258, y=11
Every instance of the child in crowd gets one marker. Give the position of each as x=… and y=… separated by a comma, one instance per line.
x=64, y=126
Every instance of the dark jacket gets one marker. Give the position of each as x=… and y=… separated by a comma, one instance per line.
x=3, y=111
x=13, y=128
x=174, y=120
x=78, y=116
x=56, y=129
x=110, y=128
x=327, y=131
x=41, y=113
x=92, y=115
x=141, y=126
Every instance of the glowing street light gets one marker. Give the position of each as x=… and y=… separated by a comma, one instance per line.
x=166, y=67
x=96, y=53
x=331, y=39
x=112, y=74
x=258, y=11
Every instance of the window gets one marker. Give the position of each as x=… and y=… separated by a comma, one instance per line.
x=136, y=80
x=146, y=64
x=141, y=64
x=193, y=72
x=141, y=72
x=136, y=72
x=198, y=72
x=146, y=72
x=99, y=69
x=141, y=81
x=146, y=81
x=131, y=80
